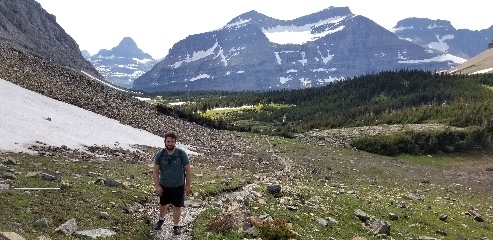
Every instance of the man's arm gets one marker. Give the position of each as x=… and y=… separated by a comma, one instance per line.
x=188, y=179
x=155, y=176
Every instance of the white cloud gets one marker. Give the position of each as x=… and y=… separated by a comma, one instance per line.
x=156, y=25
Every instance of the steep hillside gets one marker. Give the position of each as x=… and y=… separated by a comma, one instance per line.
x=25, y=25
x=69, y=86
x=481, y=63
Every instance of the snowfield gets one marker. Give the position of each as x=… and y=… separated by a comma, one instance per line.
x=27, y=117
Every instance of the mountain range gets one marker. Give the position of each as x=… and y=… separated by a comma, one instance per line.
x=252, y=51
x=257, y=52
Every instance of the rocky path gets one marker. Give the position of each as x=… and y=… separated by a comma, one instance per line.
x=233, y=203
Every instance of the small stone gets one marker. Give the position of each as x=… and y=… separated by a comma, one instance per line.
x=104, y=215
x=43, y=222
x=393, y=216
x=478, y=218
x=441, y=232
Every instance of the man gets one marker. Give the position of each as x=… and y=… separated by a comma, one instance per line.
x=172, y=180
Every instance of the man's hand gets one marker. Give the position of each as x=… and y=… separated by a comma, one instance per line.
x=188, y=190
x=158, y=191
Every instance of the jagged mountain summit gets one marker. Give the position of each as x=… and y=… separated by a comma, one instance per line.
x=441, y=35
x=257, y=52
x=122, y=64
x=26, y=26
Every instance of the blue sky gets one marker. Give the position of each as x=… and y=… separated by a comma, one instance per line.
x=155, y=25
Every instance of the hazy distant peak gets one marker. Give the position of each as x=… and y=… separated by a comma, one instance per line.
x=128, y=42
x=422, y=23
x=85, y=54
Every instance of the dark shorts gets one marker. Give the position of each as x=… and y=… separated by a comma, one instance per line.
x=173, y=195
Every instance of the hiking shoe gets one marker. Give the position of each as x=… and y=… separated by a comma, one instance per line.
x=176, y=230
x=159, y=225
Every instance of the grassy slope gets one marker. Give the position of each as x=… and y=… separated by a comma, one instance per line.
x=375, y=184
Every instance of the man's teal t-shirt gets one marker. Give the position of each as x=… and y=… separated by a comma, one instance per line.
x=171, y=172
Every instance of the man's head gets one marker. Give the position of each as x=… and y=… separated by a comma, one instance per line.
x=170, y=140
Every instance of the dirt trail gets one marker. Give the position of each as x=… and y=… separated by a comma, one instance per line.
x=194, y=207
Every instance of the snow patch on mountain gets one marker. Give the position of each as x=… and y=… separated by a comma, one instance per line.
x=196, y=56
x=291, y=34
x=238, y=24
x=441, y=44
x=441, y=58
x=201, y=76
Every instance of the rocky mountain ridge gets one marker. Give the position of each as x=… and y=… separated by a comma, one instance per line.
x=442, y=36
x=26, y=26
x=257, y=52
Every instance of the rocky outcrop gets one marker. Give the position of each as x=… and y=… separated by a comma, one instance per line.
x=25, y=25
x=490, y=45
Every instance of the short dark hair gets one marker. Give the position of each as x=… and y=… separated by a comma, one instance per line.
x=171, y=135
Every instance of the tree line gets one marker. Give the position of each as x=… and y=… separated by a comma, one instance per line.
x=388, y=97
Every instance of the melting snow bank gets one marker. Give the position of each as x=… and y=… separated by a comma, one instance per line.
x=28, y=118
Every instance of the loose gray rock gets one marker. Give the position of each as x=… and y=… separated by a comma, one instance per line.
x=95, y=233
x=362, y=216
x=478, y=218
x=11, y=236
x=274, y=188
x=43, y=222
x=112, y=183
x=10, y=161
x=10, y=176
x=380, y=227
x=48, y=177
x=333, y=221
x=393, y=216
x=322, y=222
x=441, y=232
x=68, y=228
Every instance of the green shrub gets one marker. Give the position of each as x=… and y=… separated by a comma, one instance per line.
x=275, y=230
x=221, y=224
x=419, y=142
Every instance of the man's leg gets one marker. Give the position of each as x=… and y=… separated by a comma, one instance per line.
x=176, y=215
x=162, y=213
x=162, y=210
x=176, y=220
